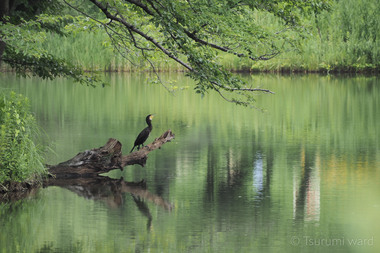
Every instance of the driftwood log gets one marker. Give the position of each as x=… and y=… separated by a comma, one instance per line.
x=106, y=158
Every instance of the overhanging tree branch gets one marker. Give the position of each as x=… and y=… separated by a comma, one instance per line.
x=193, y=36
x=132, y=29
x=243, y=89
x=189, y=32
x=186, y=32
x=142, y=34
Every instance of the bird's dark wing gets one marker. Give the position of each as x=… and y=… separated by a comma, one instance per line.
x=143, y=135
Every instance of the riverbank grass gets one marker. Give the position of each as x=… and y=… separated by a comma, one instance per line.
x=21, y=159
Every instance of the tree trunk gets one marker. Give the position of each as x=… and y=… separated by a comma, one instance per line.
x=4, y=11
x=106, y=158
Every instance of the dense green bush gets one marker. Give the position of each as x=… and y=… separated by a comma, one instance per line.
x=20, y=158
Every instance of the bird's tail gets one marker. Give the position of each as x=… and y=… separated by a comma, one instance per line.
x=132, y=149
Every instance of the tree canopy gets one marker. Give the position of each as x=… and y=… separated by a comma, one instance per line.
x=194, y=33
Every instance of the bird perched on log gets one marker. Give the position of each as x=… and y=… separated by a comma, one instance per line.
x=144, y=134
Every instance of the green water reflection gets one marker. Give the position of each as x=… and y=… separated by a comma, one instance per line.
x=301, y=175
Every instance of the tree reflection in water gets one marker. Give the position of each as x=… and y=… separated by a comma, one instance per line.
x=111, y=191
x=306, y=197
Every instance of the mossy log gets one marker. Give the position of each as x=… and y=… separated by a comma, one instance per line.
x=106, y=158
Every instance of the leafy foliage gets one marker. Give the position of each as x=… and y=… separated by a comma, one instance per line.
x=350, y=45
x=24, y=34
x=48, y=66
x=20, y=157
x=192, y=33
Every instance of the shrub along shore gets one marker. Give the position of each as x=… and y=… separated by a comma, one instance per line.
x=21, y=159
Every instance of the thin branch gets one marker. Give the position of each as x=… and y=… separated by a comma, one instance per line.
x=156, y=72
x=118, y=46
x=142, y=6
x=193, y=36
x=225, y=98
x=135, y=43
x=242, y=89
x=142, y=34
x=106, y=28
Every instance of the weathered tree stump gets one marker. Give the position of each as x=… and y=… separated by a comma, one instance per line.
x=106, y=158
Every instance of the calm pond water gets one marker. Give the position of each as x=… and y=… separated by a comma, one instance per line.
x=300, y=174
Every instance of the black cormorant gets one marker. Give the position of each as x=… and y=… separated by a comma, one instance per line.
x=144, y=134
